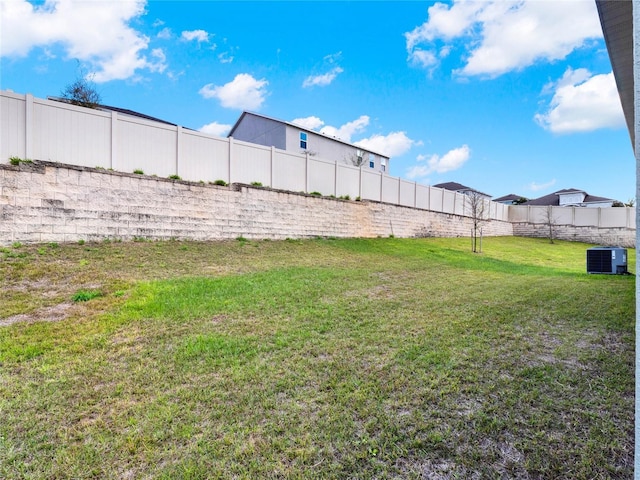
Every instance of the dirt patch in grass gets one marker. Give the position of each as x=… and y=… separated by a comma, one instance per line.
x=54, y=313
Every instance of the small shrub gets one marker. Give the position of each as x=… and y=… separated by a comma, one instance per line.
x=318, y=194
x=358, y=199
x=16, y=244
x=175, y=177
x=241, y=239
x=53, y=245
x=220, y=182
x=85, y=295
x=81, y=242
x=84, y=262
x=137, y=171
x=345, y=197
x=256, y=184
x=18, y=160
x=41, y=251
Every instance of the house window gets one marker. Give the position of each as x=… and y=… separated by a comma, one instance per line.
x=383, y=168
x=372, y=164
x=303, y=140
x=383, y=164
x=359, y=157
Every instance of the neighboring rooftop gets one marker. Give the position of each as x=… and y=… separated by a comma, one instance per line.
x=458, y=187
x=510, y=199
x=570, y=197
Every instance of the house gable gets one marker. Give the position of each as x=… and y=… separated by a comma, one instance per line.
x=570, y=197
x=260, y=130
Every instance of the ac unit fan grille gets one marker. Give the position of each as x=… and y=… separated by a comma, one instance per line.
x=599, y=261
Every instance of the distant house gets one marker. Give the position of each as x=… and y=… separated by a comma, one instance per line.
x=270, y=132
x=511, y=199
x=571, y=197
x=457, y=187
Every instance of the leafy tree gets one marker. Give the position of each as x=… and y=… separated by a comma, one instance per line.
x=82, y=92
x=520, y=201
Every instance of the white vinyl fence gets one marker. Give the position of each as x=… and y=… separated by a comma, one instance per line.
x=614, y=217
x=59, y=132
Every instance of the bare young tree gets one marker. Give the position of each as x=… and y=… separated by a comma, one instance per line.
x=82, y=92
x=356, y=158
x=550, y=223
x=479, y=213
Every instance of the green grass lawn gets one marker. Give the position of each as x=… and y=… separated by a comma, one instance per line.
x=379, y=358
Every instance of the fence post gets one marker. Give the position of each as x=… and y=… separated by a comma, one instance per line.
x=28, y=126
x=335, y=180
x=599, y=218
x=230, y=156
x=360, y=183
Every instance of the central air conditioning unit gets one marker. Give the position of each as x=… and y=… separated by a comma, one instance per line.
x=610, y=260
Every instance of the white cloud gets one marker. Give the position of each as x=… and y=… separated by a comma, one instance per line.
x=225, y=57
x=215, y=128
x=500, y=36
x=452, y=160
x=332, y=69
x=535, y=187
x=197, y=35
x=394, y=144
x=310, y=123
x=97, y=33
x=165, y=33
x=322, y=80
x=244, y=92
x=346, y=131
x=582, y=103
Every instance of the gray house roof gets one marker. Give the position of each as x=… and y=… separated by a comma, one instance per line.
x=512, y=197
x=458, y=187
x=299, y=127
x=553, y=199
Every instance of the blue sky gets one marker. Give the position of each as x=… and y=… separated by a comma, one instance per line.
x=502, y=96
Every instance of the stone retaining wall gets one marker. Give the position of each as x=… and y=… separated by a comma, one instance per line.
x=610, y=237
x=52, y=202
